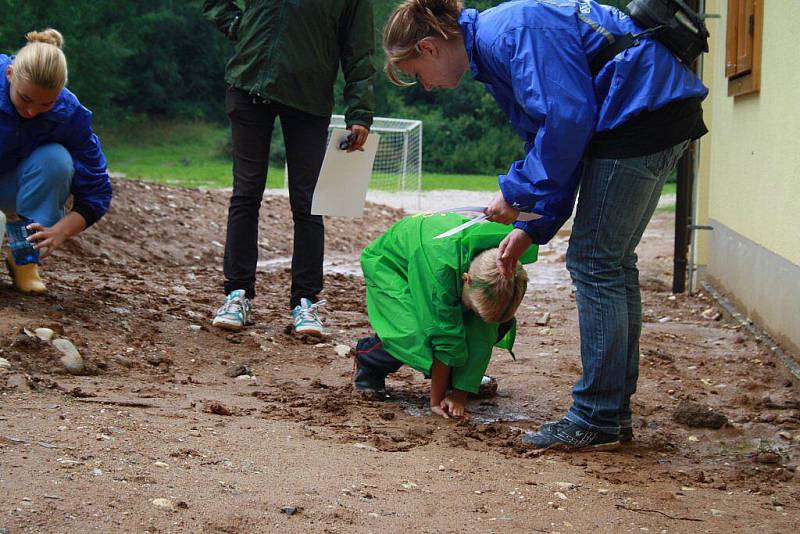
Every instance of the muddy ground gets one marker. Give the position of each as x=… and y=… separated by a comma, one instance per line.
x=156, y=437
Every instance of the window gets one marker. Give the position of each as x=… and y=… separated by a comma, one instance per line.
x=743, y=46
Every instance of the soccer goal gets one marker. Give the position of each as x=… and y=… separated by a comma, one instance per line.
x=398, y=164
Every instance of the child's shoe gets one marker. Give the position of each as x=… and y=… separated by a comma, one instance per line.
x=236, y=313
x=487, y=389
x=306, y=319
x=372, y=365
x=26, y=277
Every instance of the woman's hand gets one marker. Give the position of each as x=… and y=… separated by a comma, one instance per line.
x=511, y=249
x=359, y=136
x=49, y=238
x=501, y=211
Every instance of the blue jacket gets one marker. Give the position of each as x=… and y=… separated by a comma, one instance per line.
x=69, y=124
x=533, y=56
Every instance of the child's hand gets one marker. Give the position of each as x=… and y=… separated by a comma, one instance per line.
x=438, y=410
x=453, y=407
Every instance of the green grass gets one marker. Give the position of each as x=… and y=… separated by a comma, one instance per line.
x=184, y=154
x=194, y=154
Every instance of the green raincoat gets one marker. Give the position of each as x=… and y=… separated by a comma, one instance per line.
x=289, y=51
x=414, y=295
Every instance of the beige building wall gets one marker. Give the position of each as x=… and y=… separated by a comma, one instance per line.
x=748, y=184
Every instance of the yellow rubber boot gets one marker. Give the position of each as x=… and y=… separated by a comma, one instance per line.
x=26, y=277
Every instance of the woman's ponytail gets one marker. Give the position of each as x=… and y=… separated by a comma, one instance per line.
x=41, y=61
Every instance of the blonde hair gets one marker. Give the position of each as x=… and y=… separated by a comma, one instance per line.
x=494, y=297
x=411, y=22
x=41, y=61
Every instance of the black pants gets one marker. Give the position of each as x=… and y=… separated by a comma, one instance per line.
x=305, y=135
x=378, y=363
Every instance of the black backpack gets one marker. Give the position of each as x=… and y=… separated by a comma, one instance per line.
x=674, y=24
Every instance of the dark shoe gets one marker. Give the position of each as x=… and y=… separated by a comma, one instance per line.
x=372, y=365
x=625, y=434
x=567, y=435
x=369, y=383
x=487, y=389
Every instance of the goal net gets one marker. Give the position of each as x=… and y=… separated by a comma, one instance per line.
x=398, y=163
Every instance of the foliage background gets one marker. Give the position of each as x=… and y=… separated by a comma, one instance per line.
x=159, y=60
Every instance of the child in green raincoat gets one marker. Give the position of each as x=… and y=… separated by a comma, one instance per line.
x=438, y=306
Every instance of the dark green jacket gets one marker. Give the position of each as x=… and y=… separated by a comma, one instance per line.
x=414, y=295
x=289, y=51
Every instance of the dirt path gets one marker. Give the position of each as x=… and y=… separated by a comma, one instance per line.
x=157, y=438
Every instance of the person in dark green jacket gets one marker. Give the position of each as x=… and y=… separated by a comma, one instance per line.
x=438, y=306
x=287, y=55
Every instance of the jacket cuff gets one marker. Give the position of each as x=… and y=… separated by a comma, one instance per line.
x=85, y=211
x=510, y=195
x=362, y=118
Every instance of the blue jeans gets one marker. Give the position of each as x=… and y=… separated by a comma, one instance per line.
x=617, y=199
x=38, y=188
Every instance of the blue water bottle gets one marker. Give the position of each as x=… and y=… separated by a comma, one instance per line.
x=22, y=250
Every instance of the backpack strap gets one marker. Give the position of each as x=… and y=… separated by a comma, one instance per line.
x=610, y=51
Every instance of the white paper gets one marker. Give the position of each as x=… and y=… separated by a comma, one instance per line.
x=342, y=186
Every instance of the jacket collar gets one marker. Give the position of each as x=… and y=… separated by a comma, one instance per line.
x=468, y=20
x=5, y=99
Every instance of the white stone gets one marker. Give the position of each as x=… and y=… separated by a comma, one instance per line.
x=162, y=503
x=5, y=364
x=342, y=350
x=560, y=495
x=71, y=360
x=161, y=464
x=45, y=334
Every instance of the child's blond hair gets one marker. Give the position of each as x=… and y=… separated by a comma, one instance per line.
x=494, y=297
x=41, y=61
x=413, y=21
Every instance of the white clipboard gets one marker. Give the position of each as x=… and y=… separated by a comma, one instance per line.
x=342, y=185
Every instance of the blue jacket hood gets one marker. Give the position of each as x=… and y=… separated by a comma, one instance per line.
x=533, y=56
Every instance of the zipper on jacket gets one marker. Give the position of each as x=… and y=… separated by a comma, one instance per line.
x=271, y=50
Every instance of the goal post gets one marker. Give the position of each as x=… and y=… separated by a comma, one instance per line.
x=398, y=162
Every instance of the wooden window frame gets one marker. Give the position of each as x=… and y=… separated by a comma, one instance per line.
x=743, y=46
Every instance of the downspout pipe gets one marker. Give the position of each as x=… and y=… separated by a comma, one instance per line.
x=683, y=203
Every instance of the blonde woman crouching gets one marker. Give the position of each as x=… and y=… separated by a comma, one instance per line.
x=47, y=152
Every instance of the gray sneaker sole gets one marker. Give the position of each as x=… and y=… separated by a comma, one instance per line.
x=600, y=447
x=225, y=325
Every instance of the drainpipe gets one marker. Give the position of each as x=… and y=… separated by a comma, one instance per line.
x=683, y=197
x=683, y=209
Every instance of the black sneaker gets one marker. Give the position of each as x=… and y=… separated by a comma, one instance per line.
x=625, y=434
x=567, y=435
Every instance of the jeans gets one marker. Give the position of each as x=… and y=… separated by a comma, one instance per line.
x=305, y=135
x=38, y=188
x=617, y=199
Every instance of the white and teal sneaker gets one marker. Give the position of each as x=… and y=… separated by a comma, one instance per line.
x=236, y=313
x=306, y=320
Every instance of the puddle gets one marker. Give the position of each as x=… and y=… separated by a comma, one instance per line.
x=348, y=265
x=544, y=274
x=480, y=413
